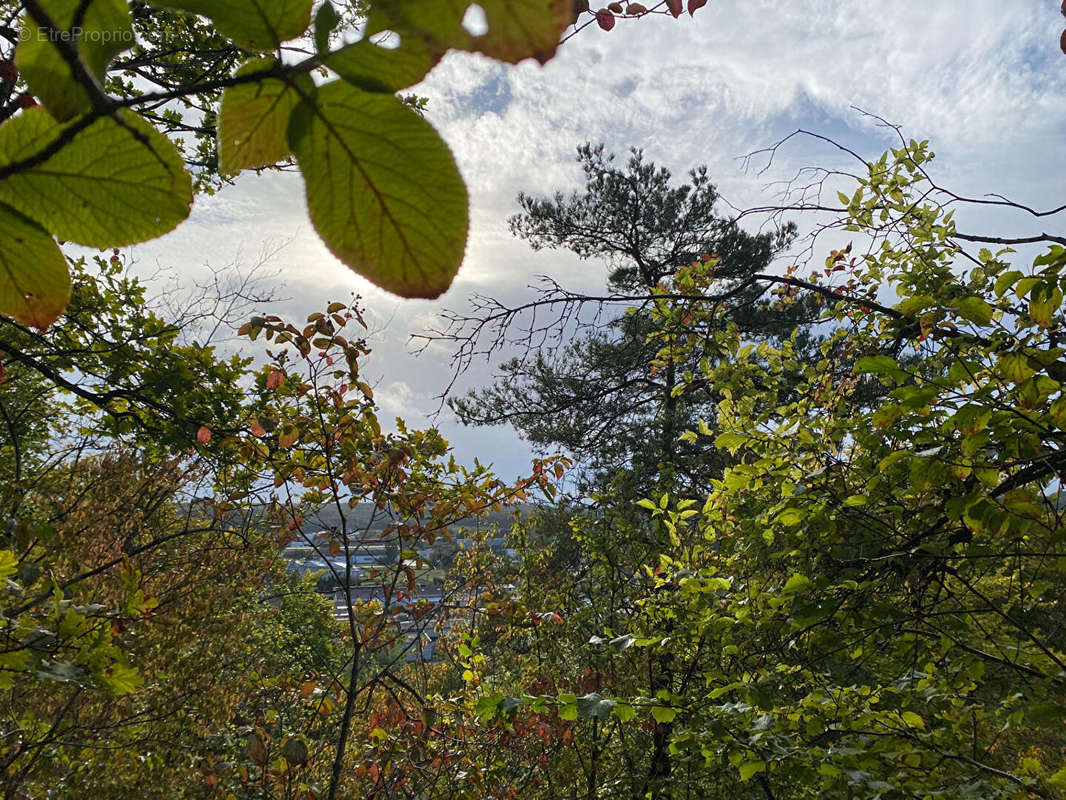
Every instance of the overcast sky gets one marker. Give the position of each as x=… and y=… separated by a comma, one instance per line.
x=983, y=80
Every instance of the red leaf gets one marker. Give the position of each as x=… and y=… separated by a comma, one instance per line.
x=275, y=378
x=634, y=9
x=1062, y=42
x=615, y=8
x=693, y=5
x=605, y=19
x=203, y=436
x=257, y=428
x=675, y=7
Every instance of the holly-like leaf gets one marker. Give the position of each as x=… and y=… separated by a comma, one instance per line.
x=116, y=182
x=254, y=119
x=256, y=25
x=383, y=189
x=34, y=279
x=100, y=30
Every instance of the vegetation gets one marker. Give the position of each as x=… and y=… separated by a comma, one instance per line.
x=794, y=565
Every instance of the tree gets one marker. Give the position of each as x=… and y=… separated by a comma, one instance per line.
x=602, y=399
x=866, y=603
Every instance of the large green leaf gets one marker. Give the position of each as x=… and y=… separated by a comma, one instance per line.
x=101, y=31
x=377, y=68
x=34, y=280
x=254, y=119
x=516, y=29
x=112, y=184
x=257, y=25
x=382, y=189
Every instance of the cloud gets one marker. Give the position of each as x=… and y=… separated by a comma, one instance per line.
x=984, y=81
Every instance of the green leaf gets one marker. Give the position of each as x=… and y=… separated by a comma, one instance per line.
x=975, y=310
x=568, y=710
x=12, y=662
x=797, y=584
x=375, y=68
x=1015, y=367
x=791, y=517
x=295, y=751
x=730, y=441
x=1058, y=780
x=34, y=279
x=102, y=32
x=1043, y=311
x=1006, y=280
x=487, y=705
x=750, y=768
x=383, y=189
x=326, y=20
x=624, y=712
x=8, y=564
x=121, y=679
x=912, y=720
x=912, y=305
x=254, y=119
x=1025, y=285
x=257, y=25
x=112, y=184
x=663, y=713
x=877, y=365
x=516, y=29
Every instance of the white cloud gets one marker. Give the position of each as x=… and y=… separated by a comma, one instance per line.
x=984, y=81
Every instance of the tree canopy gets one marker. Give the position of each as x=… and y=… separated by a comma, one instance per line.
x=795, y=566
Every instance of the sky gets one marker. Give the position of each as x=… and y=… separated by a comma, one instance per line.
x=984, y=81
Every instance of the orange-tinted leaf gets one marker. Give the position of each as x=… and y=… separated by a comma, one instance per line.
x=203, y=436
x=288, y=436
x=275, y=378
